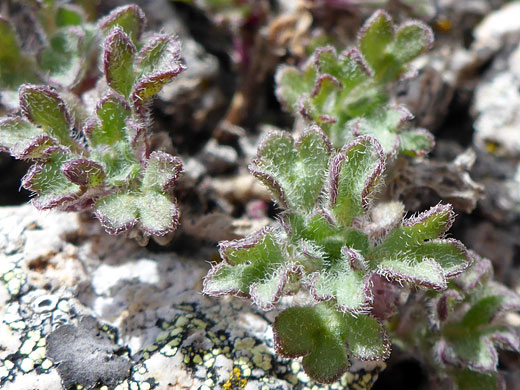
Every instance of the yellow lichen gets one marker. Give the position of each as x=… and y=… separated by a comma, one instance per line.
x=235, y=380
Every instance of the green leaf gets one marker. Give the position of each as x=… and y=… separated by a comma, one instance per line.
x=161, y=54
x=49, y=183
x=411, y=252
x=150, y=85
x=411, y=39
x=374, y=38
x=466, y=379
x=365, y=337
x=387, y=49
x=291, y=84
x=425, y=272
x=346, y=283
x=319, y=230
x=416, y=143
x=294, y=172
x=84, y=172
x=158, y=213
x=119, y=162
x=253, y=267
x=476, y=352
x=117, y=212
x=322, y=335
x=119, y=62
x=64, y=59
x=112, y=112
x=162, y=170
x=428, y=225
x=69, y=15
x=315, y=333
x=44, y=107
x=490, y=300
x=385, y=125
x=354, y=173
x=23, y=140
x=15, y=67
x=130, y=18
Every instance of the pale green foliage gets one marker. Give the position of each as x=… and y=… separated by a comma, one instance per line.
x=328, y=242
x=108, y=168
x=346, y=93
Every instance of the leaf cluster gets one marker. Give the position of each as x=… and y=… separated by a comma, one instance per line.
x=99, y=158
x=346, y=93
x=332, y=241
x=467, y=326
x=66, y=57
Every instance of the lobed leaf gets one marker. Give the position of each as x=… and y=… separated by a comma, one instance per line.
x=15, y=67
x=117, y=212
x=416, y=143
x=130, y=18
x=69, y=15
x=119, y=62
x=324, y=337
x=112, y=111
x=412, y=253
x=23, y=140
x=347, y=283
x=150, y=85
x=374, y=38
x=64, y=60
x=158, y=212
x=253, y=267
x=161, y=54
x=353, y=175
x=291, y=84
x=162, y=171
x=84, y=172
x=44, y=107
x=293, y=171
x=119, y=162
x=466, y=379
x=387, y=49
x=50, y=184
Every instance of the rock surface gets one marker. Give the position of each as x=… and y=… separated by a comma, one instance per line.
x=80, y=307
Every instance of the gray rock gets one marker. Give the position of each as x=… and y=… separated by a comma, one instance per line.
x=102, y=312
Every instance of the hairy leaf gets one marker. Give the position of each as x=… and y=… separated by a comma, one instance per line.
x=294, y=172
x=119, y=62
x=50, y=184
x=325, y=337
x=354, y=173
x=130, y=18
x=44, y=107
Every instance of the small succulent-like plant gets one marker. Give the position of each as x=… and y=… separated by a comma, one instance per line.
x=333, y=241
x=100, y=158
x=68, y=51
x=465, y=327
x=346, y=94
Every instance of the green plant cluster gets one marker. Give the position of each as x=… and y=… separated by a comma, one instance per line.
x=346, y=94
x=65, y=58
x=99, y=157
x=349, y=253
x=337, y=243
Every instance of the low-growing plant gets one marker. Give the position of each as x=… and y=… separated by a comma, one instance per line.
x=351, y=255
x=64, y=59
x=332, y=240
x=99, y=157
x=347, y=95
